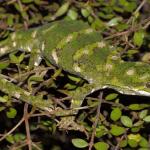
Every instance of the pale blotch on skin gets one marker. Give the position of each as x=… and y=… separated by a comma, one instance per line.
x=90, y=30
x=17, y=95
x=91, y=80
x=69, y=38
x=139, y=63
x=144, y=77
x=43, y=46
x=27, y=93
x=55, y=57
x=76, y=67
x=109, y=67
x=114, y=57
x=130, y=72
x=13, y=36
x=3, y=49
x=33, y=35
x=86, y=51
x=101, y=44
x=14, y=44
x=29, y=49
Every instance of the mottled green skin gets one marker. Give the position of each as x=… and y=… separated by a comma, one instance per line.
x=76, y=48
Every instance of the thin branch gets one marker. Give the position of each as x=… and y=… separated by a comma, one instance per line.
x=13, y=129
x=26, y=116
x=96, y=121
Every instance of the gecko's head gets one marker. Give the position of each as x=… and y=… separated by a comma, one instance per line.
x=141, y=78
x=132, y=78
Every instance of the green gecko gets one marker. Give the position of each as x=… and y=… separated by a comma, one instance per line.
x=76, y=48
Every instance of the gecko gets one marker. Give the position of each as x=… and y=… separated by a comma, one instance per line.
x=80, y=50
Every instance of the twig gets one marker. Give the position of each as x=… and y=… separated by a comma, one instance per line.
x=26, y=116
x=122, y=137
x=140, y=6
x=96, y=121
x=21, y=145
x=13, y=129
x=108, y=102
x=36, y=146
x=136, y=11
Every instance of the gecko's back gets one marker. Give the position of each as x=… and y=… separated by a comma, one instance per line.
x=81, y=50
x=75, y=47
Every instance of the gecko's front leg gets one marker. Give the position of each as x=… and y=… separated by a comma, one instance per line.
x=77, y=98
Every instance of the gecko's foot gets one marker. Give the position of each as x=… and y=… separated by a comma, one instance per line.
x=68, y=123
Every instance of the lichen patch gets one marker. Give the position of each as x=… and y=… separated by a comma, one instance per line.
x=76, y=67
x=43, y=46
x=33, y=35
x=3, y=49
x=144, y=77
x=109, y=66
x=14, y=44
x=17, y=95
x=130, y=72
x=101, y=44
x=13, y=36
x=69, y=38
x=90, y=30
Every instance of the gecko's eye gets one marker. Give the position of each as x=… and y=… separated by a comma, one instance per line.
x=148, y=84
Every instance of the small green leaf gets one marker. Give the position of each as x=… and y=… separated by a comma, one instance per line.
x=126, y=121
x=135, y=129
x=2, y=108
x=138, y=106
x=138, y=38
x=111, y=96
x=135, y=137
x=3, y=65
x=132, y=143
x=85, y=12
x=10, y=138
x=79, y=143
x=144, y=143
x=101, y=146
x=11, y=113
x=123, y=143
x=115, y=114
x=62, y=10
x=114, y=21
x=138, y=123
x=36, y=78
x=116, y=130
x=73, y=78
x=21, y=57
x=72, y=14
x=13, y=58
x=101, y=131
x=147, y=119
x=98, y=24
x=3, y=99
x=143, y=113
x=19, y=137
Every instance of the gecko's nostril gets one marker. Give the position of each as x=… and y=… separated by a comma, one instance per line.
x=148, y=84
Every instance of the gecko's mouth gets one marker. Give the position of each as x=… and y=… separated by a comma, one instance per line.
x=143, y=93
x=128, y=91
